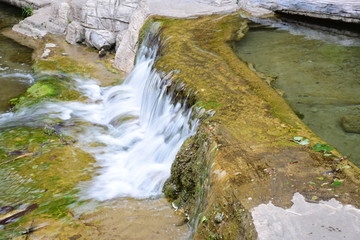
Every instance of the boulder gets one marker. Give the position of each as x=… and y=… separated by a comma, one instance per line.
x=100, y=39
x=351, y=124
x=75, y=33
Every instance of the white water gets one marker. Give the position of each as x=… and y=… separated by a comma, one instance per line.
x=133, y=130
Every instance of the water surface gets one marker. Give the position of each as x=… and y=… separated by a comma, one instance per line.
x=15, y=60
x=319, y=79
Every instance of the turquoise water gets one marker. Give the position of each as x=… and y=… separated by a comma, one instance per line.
x=319, y=79
x=15, y=60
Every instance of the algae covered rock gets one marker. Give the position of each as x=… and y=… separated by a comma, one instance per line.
x=351, y=124
x=47, y=87
x=40, y=165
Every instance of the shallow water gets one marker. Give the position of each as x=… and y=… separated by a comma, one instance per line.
x=15, y=60
x=320, y=79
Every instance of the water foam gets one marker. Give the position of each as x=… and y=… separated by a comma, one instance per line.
x=133, y=130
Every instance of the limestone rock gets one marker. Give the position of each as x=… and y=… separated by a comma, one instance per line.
x=111, y=15
x=100, y=39
x=125, y=53
x=59, y=18
x=75, y=33
x=351, y=124
x=35, y=25
x=344, y=10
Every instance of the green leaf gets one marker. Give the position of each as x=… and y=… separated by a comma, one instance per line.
x=319, y=147
x=337, y=182
x=312, y=183
x=320, y=178
x=203, y=219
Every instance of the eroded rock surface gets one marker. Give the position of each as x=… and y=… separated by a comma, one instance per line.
x=351, y=124
x=244, y=155
x=343, y=10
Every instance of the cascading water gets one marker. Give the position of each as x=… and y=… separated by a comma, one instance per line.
x=133, y=129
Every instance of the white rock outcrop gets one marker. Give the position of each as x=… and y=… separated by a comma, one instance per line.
x=343, y=10
x=104, y=24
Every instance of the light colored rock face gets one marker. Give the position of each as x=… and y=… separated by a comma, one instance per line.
x=324, y=220
x=108, y=23
x=128, y=39
x=104, y=19
x=75, y=33
x=344, y=10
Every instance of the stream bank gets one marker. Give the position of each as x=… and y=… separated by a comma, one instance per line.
x=246, y=154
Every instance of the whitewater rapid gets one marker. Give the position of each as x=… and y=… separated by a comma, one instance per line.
x=133, y=130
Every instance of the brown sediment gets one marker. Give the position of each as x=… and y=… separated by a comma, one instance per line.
x=244, y=155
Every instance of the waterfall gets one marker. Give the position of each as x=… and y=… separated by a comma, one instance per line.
x=133, y=130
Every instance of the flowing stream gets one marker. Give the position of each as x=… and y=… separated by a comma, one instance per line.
x=134, y=130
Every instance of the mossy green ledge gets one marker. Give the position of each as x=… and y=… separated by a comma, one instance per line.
x=243, y=155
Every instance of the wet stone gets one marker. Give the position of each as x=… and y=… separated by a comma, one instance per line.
x=351, y=124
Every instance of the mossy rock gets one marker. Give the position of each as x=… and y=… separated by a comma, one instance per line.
x=40, y=165
x=42, y=168
x=47, y=88
x=62, y=64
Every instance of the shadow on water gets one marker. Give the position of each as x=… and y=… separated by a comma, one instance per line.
x=15, y=60
x=316, y=67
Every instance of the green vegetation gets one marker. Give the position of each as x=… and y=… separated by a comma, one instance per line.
x=47, y=88
x=27, y=11
x=40, y=164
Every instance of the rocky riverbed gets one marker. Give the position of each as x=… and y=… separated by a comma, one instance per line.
x=254, y=150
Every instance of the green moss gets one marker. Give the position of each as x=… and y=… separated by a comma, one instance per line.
x=62, y=64
x=47, y=88
x=47, y=177
x=109, y=66
x=40, y=165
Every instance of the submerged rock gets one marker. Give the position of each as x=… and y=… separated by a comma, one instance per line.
x=351, y=124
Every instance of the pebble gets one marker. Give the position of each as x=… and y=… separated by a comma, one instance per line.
x=50, y=45
x=218, y=217
x=46, y=53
